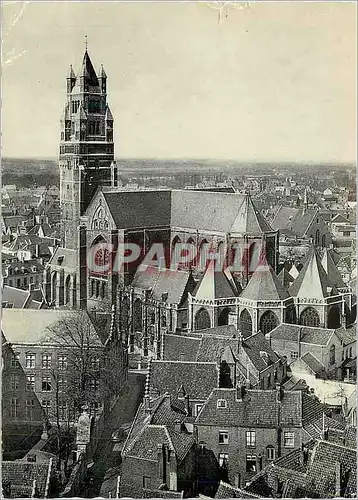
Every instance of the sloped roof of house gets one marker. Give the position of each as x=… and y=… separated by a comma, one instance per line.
x=175, y=284
x=313, y=363
x=316, y=478
x=347, y=335
x=226, y=490
x=264, y=285
x=305, y=334
x=254, y=346
x=298, y=220
x=21, y=476
x=259, y=408
x=312, y=281
x=331, y=269
x=193, y=378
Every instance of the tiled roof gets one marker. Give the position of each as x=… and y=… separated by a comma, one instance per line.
x=21, y=475
x=285, y=278
x=212, y=211
x=167, y=413
x=316, y=478
x=306, y=334
x=264, y=285
x=197, y=379
x=286, y=331
x=312, y=282
x=258, y=408
x=214, y=285
x=174, y=283
x=318, y=336
x=227, y=491
x=175, y=345
x=313, y=363
x=211, y=347
x=255, y=344
x=14, y=296
x=331, y=269
x=347, y=335
x=298, y=220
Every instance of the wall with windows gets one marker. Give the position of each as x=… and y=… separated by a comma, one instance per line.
x=242, y=452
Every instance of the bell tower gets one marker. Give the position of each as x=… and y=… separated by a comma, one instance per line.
x=86, y=158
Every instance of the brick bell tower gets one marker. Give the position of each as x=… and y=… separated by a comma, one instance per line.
x=86, y=157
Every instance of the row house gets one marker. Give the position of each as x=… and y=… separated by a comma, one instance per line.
x=250, y=359
x=247, y=429
x=159, y=455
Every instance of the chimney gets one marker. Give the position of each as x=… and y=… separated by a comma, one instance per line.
x=146, y=401
x=279, y=392
x=338, y=491
x=240, y=391
x=161, y=467
x=187, y=405
x=177, y=426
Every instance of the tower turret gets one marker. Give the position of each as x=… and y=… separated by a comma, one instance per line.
x=86, y=140
x=102, y=79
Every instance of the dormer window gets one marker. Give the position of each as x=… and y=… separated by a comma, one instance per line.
x=221, y=403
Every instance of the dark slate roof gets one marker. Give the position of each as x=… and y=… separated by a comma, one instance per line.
x=258, y=408
x=298, y=220
x=214, y=285
x=255, y=344
x=264, y=285
x=313, y=363
x=14, y=296
x=318, y=336
x=197, y=379
x=322, y=470
x=286, y=331
x=331, y=269
x=174, y=283
x=306, y=334
x=175, y=345
x=285, y=278
x=21, y=475
x=312, y=281
x=139, y=209
x=227, y=491
x=212, y=348
x=212, y=211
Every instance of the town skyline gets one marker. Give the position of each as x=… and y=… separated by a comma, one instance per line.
x=169, y=94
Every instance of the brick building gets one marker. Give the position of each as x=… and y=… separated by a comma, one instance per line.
x=247, y=429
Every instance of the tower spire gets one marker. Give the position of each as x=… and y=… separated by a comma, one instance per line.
x=86, y=43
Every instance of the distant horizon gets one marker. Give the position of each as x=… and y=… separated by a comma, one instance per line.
x=198, y=159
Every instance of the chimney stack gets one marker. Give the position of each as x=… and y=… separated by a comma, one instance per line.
x=338, y=491
x=240, y=391
x=177, y=426
x=187, y=405
x=279, y=392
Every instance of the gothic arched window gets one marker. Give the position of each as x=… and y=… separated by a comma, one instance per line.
x=245, y=324
x=202, y=319
x=268, y=322
x=309, y=317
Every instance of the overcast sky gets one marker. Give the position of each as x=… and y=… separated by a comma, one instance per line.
x=271, y=82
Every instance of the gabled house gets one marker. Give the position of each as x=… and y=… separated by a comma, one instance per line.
x=247, y=429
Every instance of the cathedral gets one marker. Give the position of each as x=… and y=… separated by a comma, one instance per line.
x=95, y=210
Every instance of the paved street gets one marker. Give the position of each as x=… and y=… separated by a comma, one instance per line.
x=122, y=413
